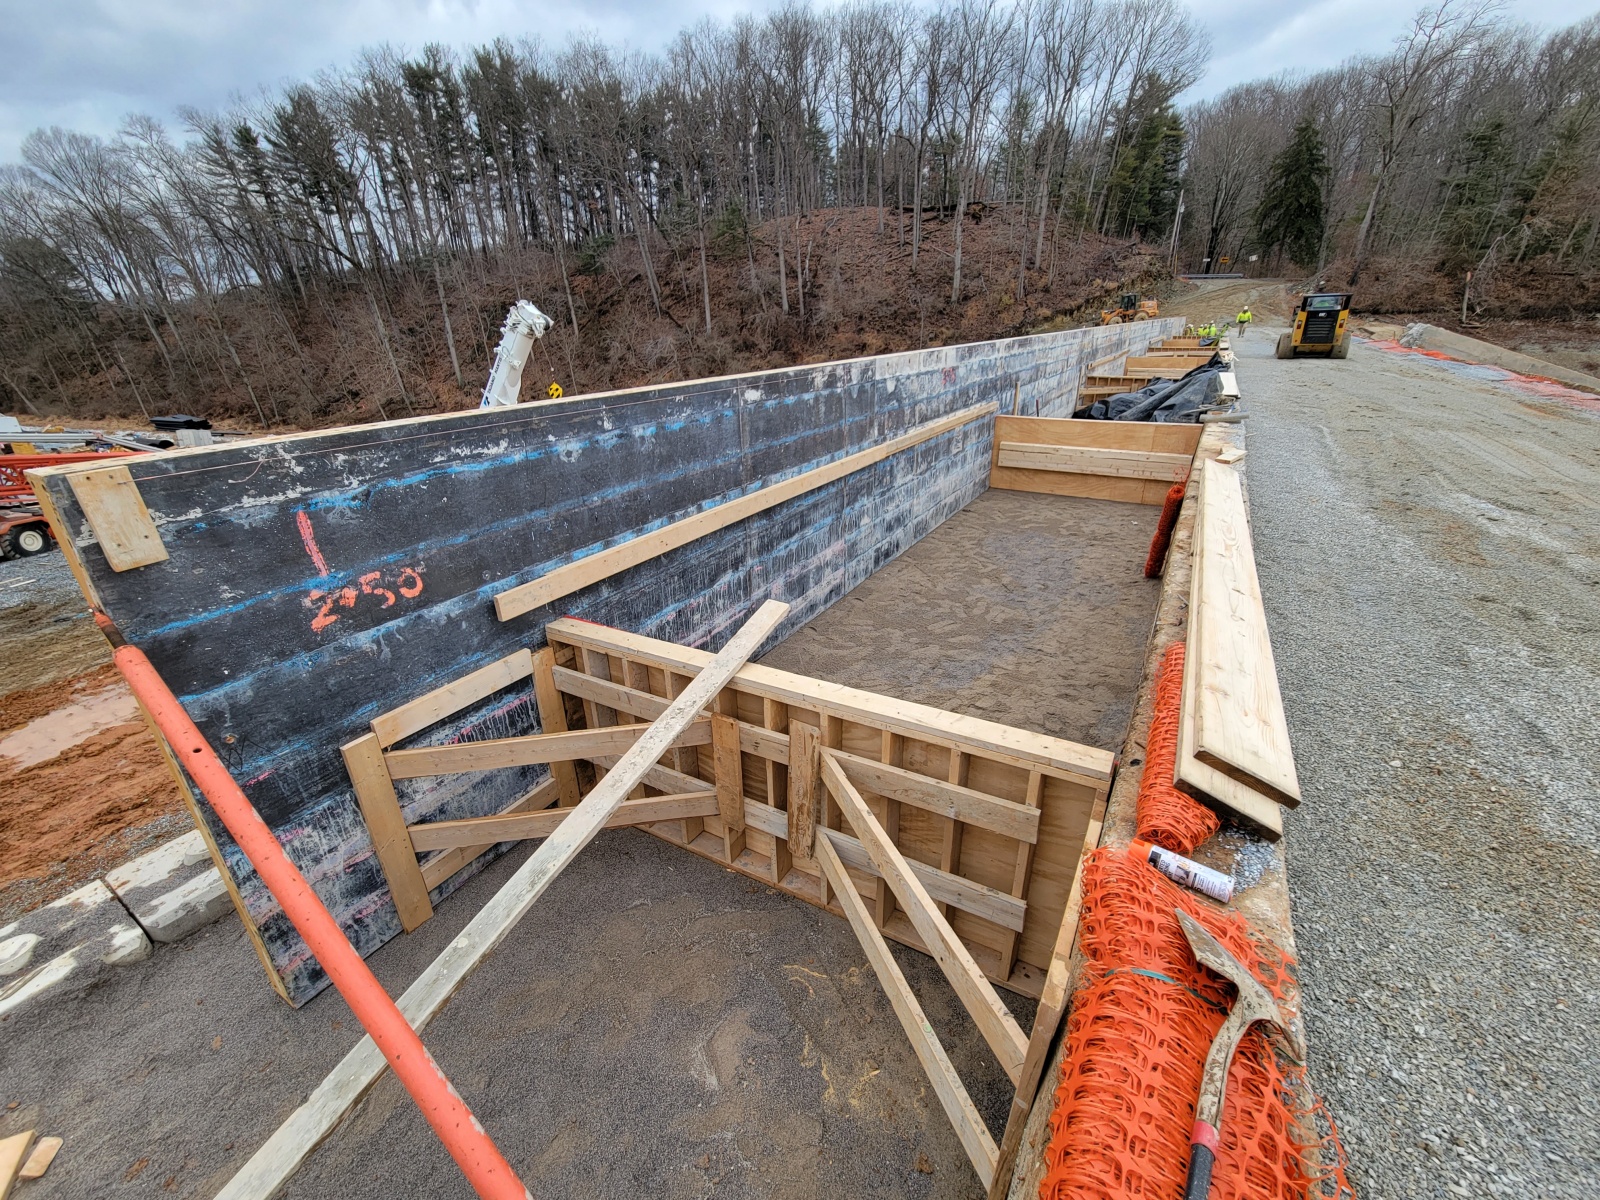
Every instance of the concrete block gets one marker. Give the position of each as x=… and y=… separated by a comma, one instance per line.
x=60, y=949
x=173, y=890
x=1422, y=336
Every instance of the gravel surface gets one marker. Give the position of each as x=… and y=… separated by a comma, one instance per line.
x=1429, y=547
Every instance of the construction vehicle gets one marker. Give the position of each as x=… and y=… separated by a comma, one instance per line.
x=524, y=325
x=1130, y=308
x=1319, y=327
x=23, y=532
x=23, y=529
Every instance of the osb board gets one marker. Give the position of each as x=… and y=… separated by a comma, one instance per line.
x=986, y=856
x=1265, y=905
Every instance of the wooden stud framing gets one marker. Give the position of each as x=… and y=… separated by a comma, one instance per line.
x=565, y=580
x=968, y=833
x=363, y=758
x=553, y=719
x=730, y=783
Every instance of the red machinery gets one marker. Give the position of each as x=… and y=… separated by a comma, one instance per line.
x=23, y=529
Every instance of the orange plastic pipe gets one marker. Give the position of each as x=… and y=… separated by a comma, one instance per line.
x=475, y=1153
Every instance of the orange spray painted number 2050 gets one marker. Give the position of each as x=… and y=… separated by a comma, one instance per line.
x=372, y=587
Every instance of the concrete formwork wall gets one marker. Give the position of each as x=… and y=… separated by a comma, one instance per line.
x=318, y=580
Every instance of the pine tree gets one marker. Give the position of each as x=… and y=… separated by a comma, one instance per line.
x=1142, y=192
x=1290, y=216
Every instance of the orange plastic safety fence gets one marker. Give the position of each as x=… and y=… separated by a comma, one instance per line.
x=1166, y=816
x=1164, y=525
x=1136, y=1044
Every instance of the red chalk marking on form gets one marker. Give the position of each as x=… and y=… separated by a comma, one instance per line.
x=310, y=540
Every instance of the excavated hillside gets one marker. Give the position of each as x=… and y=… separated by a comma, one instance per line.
x=848, y=287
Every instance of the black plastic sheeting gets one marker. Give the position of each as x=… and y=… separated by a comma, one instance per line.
x=1174, y=401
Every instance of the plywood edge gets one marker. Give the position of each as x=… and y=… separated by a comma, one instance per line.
x=1085, y=763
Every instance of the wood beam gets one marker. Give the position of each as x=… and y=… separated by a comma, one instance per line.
x=473, y=831
x=574, y=576
x=974, y=1134
x=951, y=800
x=527, y=751
x=994, y=1020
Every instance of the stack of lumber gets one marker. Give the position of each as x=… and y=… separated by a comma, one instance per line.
x=1233, y=739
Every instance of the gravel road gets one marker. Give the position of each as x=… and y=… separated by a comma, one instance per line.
x=1429, y=545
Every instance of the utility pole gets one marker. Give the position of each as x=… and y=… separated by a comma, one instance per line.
x=1177, y=226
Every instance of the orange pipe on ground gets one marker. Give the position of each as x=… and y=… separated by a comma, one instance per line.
x=475, y=1153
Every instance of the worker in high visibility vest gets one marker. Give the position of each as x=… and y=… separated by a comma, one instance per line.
x=1244, y=319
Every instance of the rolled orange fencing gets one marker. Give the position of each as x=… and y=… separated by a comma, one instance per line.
x=1167, y=817
x=475, y=1153
x=1156, y=561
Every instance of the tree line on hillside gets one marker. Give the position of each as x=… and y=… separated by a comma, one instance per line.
x=173, y=267
x=1473, y=146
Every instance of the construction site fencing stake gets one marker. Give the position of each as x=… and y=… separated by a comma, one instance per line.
x=472, y=1148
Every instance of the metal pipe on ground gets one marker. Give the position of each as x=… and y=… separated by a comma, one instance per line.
x=472, y=1148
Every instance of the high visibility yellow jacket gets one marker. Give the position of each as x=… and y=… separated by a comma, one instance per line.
x=1244, y=317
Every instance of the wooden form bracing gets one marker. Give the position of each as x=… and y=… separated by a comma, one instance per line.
x=957, y=836
x=1135, y=461
x=271, y=1166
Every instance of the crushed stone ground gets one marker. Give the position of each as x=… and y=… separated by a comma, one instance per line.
x=1429, y=548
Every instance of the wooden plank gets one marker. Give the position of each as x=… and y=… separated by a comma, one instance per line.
x=572, y=577
x=473, y=831
x=527, y=751
x=1152, y=436
x=805, y=784
x=1053, y=755
x=1022, y=868
x=1005, y=817
x=775, y=719
x=413, y=717
x=947, y=1085
x=13, y=1153
x=1205, y=783
x=1121, y=464
x=118, y=517
x=386, y=825
x=994, y=1020
x=333, y=1098
x=729, y=770
x=1240, y=728
x=441, y=866
x=1093, y=487
x=39, y=1161
x=1053, y=1003
x=553, y=719
x=993, y=905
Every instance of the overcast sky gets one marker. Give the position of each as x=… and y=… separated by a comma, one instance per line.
x=86, y=64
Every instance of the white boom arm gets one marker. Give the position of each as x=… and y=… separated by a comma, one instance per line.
x=523, y=324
